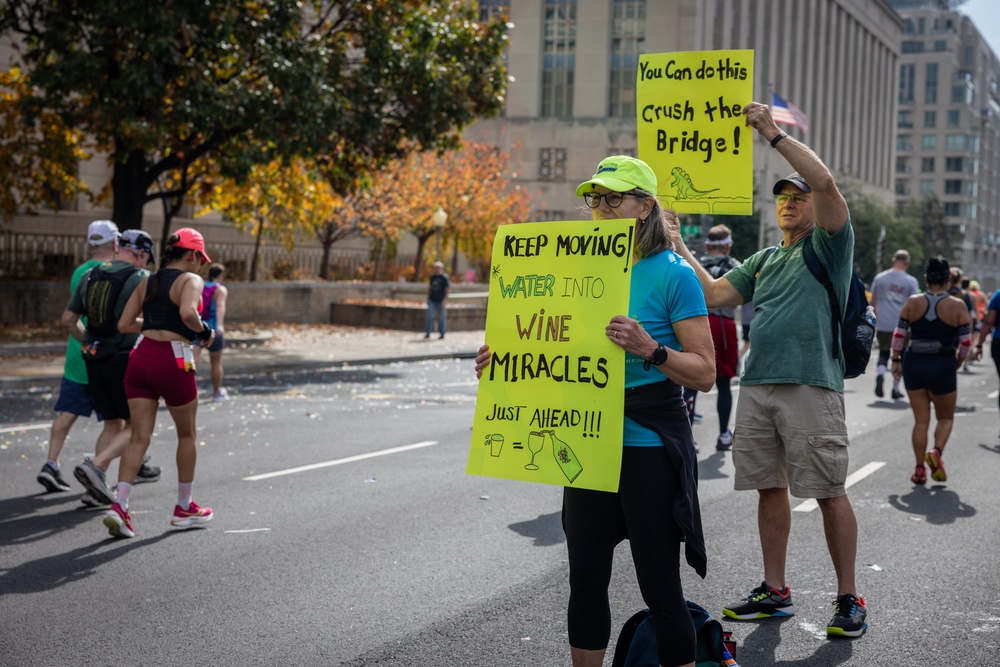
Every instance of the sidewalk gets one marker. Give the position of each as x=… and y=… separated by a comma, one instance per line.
x=279, y=347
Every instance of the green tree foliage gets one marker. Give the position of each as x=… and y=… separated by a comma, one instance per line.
x=869, y=215
x=162, y=86
x=935, y=235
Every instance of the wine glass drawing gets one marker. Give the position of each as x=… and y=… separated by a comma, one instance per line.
x=536, y=442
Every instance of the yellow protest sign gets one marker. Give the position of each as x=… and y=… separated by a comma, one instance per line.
x=550, y=405
x=691, y=131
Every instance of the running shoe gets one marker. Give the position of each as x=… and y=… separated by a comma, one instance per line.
x=919, y=475
x=696, y=418
x=896, y=394
x=52, y=479
x=220, y=395
x=147, y=473
x=118, y=521
x=763, y=602
x=192, y=516
x=724, y=442
x=936, y=465
x=849, y=612
x=92, y=478
x=879, y=391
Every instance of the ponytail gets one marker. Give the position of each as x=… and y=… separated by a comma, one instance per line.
x=170, y=253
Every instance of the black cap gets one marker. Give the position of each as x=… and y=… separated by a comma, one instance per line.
x=795, y=180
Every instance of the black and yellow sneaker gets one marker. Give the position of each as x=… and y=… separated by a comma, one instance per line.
x=849, y=612
x=763, y=602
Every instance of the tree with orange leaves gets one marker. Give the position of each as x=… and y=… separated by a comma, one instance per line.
x=473, y=185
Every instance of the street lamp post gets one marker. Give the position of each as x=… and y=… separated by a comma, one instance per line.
x=440, y=219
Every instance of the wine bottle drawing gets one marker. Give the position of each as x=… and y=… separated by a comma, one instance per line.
x=565, y=458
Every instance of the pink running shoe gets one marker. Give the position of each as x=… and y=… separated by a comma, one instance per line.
x=118, y=521
x=919, y=475
x=193, y=516
x=936, y=465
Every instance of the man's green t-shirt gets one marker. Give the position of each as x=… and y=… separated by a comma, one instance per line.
x=791, y=337
x=74, y=369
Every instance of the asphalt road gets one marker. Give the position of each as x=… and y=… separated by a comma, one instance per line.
x=372, y=547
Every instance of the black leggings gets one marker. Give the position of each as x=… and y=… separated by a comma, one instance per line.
x=995, y=353
x=724, y=403
x=596, y=521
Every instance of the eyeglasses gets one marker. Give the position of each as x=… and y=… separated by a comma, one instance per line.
x=796, y=199
x=614, y=199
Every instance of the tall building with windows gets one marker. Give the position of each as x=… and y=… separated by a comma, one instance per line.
x=948, y=129
x=573, y=63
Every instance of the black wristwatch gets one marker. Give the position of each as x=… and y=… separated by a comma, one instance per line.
x=659, y=357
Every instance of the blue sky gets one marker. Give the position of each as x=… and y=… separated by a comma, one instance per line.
x=986, y=15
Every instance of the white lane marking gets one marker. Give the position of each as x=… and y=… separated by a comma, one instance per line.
x=852, y=479
x=247, y=530
x=26, y=427
x=337, y=462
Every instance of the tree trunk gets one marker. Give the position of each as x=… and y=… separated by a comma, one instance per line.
x=418, y=261
x=256, y=250
x=129, y=183
x=324, y=267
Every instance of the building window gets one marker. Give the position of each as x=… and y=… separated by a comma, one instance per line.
x=926, y=187
x=490, y=9
x=913, y=46
x=901, y=188
x=558, y=58
x=906, y=73
x=904, y=119
x=930, y=118
x=968, y=55
x=548, y=215
x=631, y=152
x=927, y=165
x=902, y=165
x=953, y=187
x=931, y=83
x=928, y=142
x=954, y=117
x=552, y=164
x=953, y=164
x=628, y=36
x=961, y=94
x=903, y=143
x=952, y=208
x=955, y=142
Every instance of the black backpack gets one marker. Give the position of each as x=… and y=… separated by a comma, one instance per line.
x=103, y=290
x=854, y=332
x=636, y=645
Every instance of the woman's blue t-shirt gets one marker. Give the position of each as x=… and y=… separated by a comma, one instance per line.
x=664, y=289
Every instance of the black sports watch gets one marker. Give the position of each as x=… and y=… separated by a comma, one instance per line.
x=659, y=357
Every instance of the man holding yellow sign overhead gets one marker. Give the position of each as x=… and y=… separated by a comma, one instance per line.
x=668, y=343
x=791, y=434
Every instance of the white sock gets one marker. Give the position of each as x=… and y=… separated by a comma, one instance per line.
x=184, y=491
x=124, y=489
x=881, y=369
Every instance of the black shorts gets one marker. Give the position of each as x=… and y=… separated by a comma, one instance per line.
x=937, y=373
x=106, y=379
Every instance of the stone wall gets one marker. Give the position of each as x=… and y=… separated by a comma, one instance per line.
x=293, y=301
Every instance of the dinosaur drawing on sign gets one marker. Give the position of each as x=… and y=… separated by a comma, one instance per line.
x=685, y=188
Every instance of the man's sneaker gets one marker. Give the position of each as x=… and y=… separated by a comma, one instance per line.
x=147, y=473
x=919, y=475
x=52, y=479
x=220, y=395
x=92, y=502
x=878, y=386
x=896, y=394
x=92, y=478
x=192, y=516
x=849, y=614
x=118, y=521
x=724, y=441
x=933, y=459
x=763, y=602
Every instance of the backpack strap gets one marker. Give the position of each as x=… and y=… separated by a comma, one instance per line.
x=819, y=272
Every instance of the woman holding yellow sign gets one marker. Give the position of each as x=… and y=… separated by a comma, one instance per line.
x=668, y=343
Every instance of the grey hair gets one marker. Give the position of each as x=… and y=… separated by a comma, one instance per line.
x=652, y=237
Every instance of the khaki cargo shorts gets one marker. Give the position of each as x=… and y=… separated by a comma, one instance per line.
x=791, y=436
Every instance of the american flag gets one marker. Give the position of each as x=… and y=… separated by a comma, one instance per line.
x=788, y=113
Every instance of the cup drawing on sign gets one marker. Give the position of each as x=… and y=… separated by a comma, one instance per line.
x=536, y=442
x=495, y=442
x=565, y=458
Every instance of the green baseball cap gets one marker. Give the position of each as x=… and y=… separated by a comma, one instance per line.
x=621, y=173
